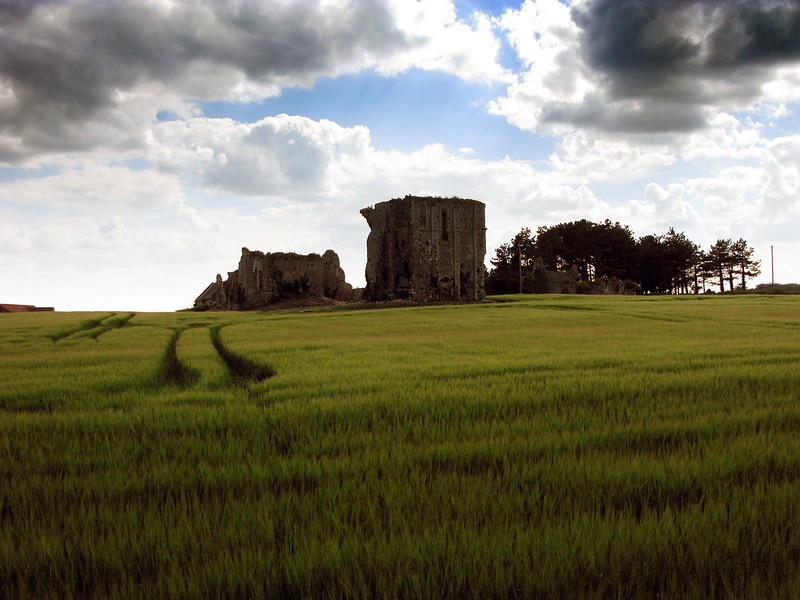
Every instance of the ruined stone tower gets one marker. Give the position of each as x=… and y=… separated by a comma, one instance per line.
x=426, y=249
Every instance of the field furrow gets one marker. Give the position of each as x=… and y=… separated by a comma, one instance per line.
x=243, y=369
x=197, y=354
x=83, y=327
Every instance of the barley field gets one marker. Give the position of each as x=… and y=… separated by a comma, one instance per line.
x=537, y=447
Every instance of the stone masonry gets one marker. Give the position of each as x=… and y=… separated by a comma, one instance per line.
x=426, y=249
x=263, y=279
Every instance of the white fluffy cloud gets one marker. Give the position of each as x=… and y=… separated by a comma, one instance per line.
x=94, y=186
x=441, y=42
x=779, y=196
x=280, y=155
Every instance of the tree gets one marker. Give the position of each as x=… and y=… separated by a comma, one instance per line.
x=718, y=262
x=697, y=272
x=501, y=279
x=548, y=246
x=568, y=245
x=524, y=252
x=743, y=262
x=579, y=247
x=660, y=264
x=615, y=250
x=511, y=263
x=680, y=258
x=651, y=267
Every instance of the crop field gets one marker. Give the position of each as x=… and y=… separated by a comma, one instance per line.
x=537, y=447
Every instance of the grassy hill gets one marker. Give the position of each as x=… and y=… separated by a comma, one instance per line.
x=534, y=447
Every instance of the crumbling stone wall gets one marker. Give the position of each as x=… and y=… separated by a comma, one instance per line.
x=569, y=282
x=426, y=249
x=263, y=279
x=563, y=282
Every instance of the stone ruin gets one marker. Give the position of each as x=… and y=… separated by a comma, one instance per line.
x=420, y=249
x=426, y=249
x=265, y=279
x=543, y=281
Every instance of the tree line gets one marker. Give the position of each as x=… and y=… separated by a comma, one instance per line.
x=658, y=264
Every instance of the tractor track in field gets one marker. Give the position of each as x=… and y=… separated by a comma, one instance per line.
x=242, y=370
x=94, y=328
x=172, y=371
x=82, y=326
x=111, y=323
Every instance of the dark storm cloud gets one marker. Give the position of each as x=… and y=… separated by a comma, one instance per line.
x=757, y=33
x=651, y=117
x=12, y=10
x=66, y=63
x=679, y=56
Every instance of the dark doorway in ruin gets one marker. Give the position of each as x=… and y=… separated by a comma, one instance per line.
x=464, y=292
x=445, y=289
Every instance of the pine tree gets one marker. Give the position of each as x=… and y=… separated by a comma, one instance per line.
x=718, y=261
x=744, y=265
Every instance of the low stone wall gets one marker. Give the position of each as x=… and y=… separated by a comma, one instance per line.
x=562, y=282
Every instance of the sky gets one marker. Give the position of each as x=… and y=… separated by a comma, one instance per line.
x=143, y=144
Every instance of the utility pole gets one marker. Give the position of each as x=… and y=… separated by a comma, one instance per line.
x=772, y=261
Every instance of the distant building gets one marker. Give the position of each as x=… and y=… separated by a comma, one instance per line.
x=426, y=249
x=20, y=308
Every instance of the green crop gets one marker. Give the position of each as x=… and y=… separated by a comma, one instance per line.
x=531, y=447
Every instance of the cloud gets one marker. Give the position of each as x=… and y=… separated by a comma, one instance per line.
x=300, y=164
x=689, y=50
x=546, y=40
x=580, y=157
x=94, y=74
x=284, y=183
x=648, y=66
x=277, y=156
x=664, y=208
x=780, y=193
x=96, y=187
x=440, y=41
x=67, y=64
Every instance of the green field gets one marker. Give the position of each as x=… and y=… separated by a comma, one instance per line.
x=539, y=447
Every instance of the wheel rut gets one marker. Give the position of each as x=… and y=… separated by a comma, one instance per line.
x=197, y=358
x=94, y=328
x=172, y=372
x=242, y=369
